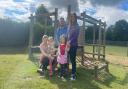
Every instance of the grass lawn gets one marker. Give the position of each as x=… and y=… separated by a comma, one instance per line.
x=17, y=72
x=112, y=50
x=116, y=50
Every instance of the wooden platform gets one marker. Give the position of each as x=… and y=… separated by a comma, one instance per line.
x=90, y=63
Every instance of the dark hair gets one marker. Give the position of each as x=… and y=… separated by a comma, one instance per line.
x=75, y=16
x=62, y=18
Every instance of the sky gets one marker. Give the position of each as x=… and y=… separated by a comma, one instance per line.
x=107, y=10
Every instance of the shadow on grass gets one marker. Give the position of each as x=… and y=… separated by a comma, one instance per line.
x=85, y=79
x=125, y=81
x=13, y=50
x=35, y=60
x=106, y=78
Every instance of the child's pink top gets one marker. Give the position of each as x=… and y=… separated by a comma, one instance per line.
x=62, y=54
x=62, y=49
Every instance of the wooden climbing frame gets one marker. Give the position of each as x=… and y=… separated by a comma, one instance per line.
x=31, y=31
x=95, y=59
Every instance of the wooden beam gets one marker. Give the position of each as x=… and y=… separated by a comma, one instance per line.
x=56, y=23
x=99, y=40
x=44, y=14
x=94, y=53
x=107, y=67
x=56, y=17
x=45, y=26
x=90, y=19
x=31, y=34
x=96, y=71
x=81, y=38
x=68, y=13
x=94, y=45
x=94, y=35
x=104, y=39
x=94, y=20
x=83, y=30
x=102, y=66
x=86, y=20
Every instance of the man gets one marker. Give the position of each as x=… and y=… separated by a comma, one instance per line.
x=61, y=30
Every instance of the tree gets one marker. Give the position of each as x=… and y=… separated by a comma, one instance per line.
x=43, y=24
x=121, y=30
x=44, y=20
x=110, y=33
x=89, y=33
x=38, y=32
x=118, y=31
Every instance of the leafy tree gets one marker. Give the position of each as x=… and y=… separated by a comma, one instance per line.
x=121, y=30
x=118, y=32
x=43, y=24
x=89, y=33
x=109, y=33
x=44, y=20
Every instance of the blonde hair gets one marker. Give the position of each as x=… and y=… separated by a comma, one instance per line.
x=62, y=37
x=44, y=36
x=50, y=38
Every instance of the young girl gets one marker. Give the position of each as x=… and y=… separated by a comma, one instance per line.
x=51, y=48
x=62, y=59
x=52, y=54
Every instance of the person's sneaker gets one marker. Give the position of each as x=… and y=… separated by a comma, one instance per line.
x=59, y=76
x=62, y=78
x=40, y=71
x=73, y=78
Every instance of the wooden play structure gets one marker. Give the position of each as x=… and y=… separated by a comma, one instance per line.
x=94, y=60
x=31, y=31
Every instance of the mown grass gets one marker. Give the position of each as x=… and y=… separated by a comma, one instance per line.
x=18, y=72
x=111, y=50
x=116, y=50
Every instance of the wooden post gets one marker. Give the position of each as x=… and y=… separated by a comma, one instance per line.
x=56, y=17
x=45, y=25
x=104, y=40
x=127, y=48
x=31, y=34
x=99, y=40
x=106, y=68
x=96, y=72
x=83, y=37
x=82, y=56
x=68, y=15
x=55, y=24
x=83, y=30
x=94, y=35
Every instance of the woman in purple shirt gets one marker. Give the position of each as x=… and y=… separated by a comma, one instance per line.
x=73, y=33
